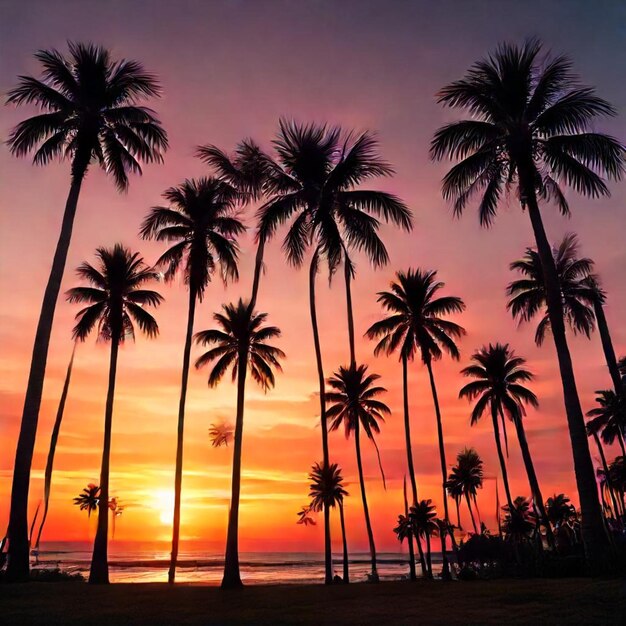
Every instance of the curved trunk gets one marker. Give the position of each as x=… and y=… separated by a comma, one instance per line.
x=428, y=556
x=607, y=474
x=258, y=266
x=505, y=476
x=477, y=510
x=178, y=476
x=412, y=574
x=328, y=558
x=348, y=277
x=469, y=508
x=442, y=457
x=592, y=526
x=532, y=478
x=368, y=523
x=607, y=346
x=99, y=572
x=232, y=577
x=344, y=541
x=18, y=566
x=53, y=446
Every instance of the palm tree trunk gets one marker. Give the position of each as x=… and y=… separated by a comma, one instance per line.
x=420, y=551
x=412, y=574
x=607, y=475
x=178, y=476
x=469, y=508
x=368, y=523
x=532, y=478
x=505, y=476
x=232, y=576
x=607, y=345
x=348, y=277
x=328, y=558
x=407, y=428
x=428, y=556
x=99, y=572
x=344, y=541
x=442, y=457
x=458, y=513
x=258, y=266
x=53, y=445
x=477, y=510
x=592, y=527
x=18, y=566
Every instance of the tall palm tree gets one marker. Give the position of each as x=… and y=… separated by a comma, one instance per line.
x=54, y=437
x=423, y=516
x=90, y=111
x=499, y=376
x=88, y=498
x=312, y=184
x=239, y=344
x=560, y=510
x=519, y=520
x=114, y=301
x=527, y=295
x=353, y=404
x=604, y=474
x=201, y=224
x=465, y=478
x=609, y=418
x=416, y=323
x=327, y=490
x=529, y=129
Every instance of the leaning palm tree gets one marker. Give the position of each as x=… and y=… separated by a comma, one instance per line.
x=529, y=130
x=353, y=404
x=465, y=478
x=239, y=344
x=327, y=490
x=88, y=498
x=54, y=438
x=498, y=385
x=114, y=301
x=423, y=516
x=609, y=418
x=201, y=225
x=90, y=112
x=416, y=324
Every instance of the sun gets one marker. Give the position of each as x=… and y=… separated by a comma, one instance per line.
x=164, y=505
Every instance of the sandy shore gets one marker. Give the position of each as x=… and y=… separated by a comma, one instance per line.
x=567, y=601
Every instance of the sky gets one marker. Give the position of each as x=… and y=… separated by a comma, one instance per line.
x=229, y=70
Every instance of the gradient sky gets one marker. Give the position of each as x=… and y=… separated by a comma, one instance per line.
x=229, y=70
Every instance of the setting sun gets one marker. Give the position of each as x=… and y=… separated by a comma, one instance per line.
x=163, y=504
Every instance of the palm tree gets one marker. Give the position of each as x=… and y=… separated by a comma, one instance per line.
x=88, y=498
x=519, y=520
x=304, y=516
x=499, y=376
x=239, y=344
x=54, y=437
x=609, y=418
x=423, y=516
x=90, y=112
x=221, y=434
x=116, y=510
x=465, y=478
x=200, y=221
x=604, y=474
x=560, y=510
x=354, y=404
x=529, y=130
x=416, y=323
x=528, y=294
x=327, y=490
x=114, y=300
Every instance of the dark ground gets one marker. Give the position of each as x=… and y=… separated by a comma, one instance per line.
x=538, y=601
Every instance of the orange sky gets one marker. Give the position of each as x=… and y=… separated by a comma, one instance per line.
x=227, y=73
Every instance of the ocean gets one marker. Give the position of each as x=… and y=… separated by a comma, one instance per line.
x=149, y=563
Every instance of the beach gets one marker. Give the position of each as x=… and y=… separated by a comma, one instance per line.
x=569, y=601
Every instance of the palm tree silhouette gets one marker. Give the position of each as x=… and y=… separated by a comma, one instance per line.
x=354, y=404
x=114, y=300
x=530, y=130
x=519, y=520
x=560, y=510
x=465, y=478
x=54, y=437
x=423, y=516
x=327, y=491
x=304, y=516
x=90, y=112
x=415, y=324
x=404, y=531
x=200, y=221
x=220, y=434
x=499, y=376
x=609, y=418
x=239, y=344
x=88, y=498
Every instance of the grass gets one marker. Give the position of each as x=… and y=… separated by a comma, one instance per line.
x=548, y=601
